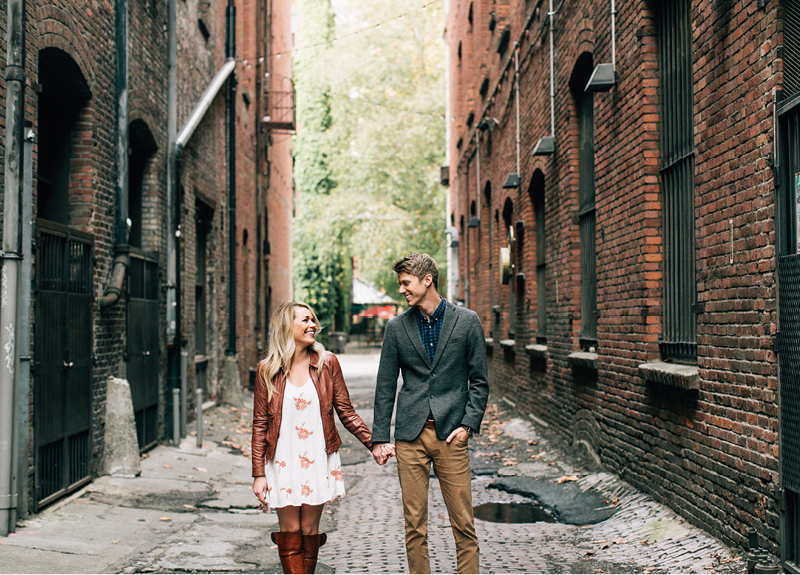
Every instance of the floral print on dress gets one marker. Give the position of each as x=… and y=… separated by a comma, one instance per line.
x=300, y=471
x=301, y=403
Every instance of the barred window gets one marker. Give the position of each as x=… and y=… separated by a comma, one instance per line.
x=586, y=200
x=679, y=340
x=537, y=198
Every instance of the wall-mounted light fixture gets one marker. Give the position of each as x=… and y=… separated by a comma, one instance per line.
x=547, y=144
x=512, y=180
x=604, y=76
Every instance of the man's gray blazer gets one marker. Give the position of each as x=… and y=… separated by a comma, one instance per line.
x=453, y=386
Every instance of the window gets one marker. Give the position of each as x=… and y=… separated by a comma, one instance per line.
x=537, y=198
x=679, y=340
x=584, y=102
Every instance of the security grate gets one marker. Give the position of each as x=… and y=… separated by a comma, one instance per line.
x=789, y=361
x=791, y=42
x=63, y=353
x=677, y=179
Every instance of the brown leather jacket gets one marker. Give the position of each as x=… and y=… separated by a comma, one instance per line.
x=332, y=393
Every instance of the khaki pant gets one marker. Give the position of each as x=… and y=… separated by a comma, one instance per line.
x=451, y=464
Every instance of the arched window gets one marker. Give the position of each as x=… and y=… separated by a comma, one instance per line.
x=586, y=199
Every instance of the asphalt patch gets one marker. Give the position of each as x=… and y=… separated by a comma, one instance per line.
x=565, y=501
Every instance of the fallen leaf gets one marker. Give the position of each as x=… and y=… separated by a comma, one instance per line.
x=113, y=542
x=531, y=442
x=192, y=507
x=166, y=466
x=144, y=456
x=328, y=511
x=614, y=501
x=604, y=546
x=599, y=541
x=644, y=542
x=165, y=518
x=589, y=553
x=235, y=445
x=234, y=409
x=201, y=469
x=565, y=478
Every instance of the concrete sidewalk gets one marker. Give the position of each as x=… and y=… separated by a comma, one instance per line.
x=190, y=509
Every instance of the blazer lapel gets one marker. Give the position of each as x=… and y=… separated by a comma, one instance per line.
x=449, y=323
x=410, y=324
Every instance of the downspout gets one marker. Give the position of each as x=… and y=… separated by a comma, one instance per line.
x=24, y=385
x=113, y=289
x=12, y=255
x=173, y=333
x=230, y=57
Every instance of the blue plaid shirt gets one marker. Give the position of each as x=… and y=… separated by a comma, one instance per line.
x=429, y=330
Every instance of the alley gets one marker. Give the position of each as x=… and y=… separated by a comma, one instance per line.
x=191, y=510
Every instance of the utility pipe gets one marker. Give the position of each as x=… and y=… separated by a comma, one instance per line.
x=24, y=386
x=230, y=56
x=613, y=43
x=552, y=87
x=516, y=103
x=12, y=255
x=113, y=289
x=172, y=122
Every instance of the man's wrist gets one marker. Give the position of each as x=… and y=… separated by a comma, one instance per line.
x=468, y=429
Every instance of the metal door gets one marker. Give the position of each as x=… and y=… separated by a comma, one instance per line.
x=143, y=345
x=63, y=367
x=788, y=341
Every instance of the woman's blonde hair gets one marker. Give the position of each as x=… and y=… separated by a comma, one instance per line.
x=281, y=348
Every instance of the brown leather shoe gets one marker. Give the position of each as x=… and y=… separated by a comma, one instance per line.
x=290, y=550
x=311, y=545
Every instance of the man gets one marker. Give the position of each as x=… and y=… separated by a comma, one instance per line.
x=441, y=351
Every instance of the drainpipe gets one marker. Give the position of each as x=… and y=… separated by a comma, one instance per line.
x=12, y=255
x=173, y=334
x=230, y=57
x=113, y=289
x=24, y=385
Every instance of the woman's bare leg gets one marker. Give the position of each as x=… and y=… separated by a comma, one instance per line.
x=289, y=518
x=306, y=518
x=310, y=516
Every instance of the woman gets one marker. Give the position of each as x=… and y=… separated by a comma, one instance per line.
x=296, y=466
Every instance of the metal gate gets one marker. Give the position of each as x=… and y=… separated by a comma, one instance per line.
x=63, y=367
x=143, y=345
x=788, y=341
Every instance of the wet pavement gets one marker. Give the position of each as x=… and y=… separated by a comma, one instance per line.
x=192, y=510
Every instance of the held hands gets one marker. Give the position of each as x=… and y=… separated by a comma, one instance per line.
x=382, y=452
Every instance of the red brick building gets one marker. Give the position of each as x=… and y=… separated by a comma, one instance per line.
x=156, y=129
x=630, y=241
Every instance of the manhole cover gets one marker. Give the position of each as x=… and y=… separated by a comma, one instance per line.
x=512, y=513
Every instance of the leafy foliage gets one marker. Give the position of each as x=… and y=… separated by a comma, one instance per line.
x=370, y=142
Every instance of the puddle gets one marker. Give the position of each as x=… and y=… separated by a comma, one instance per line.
x=512, y=513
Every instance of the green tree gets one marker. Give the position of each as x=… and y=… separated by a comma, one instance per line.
x=380, y=80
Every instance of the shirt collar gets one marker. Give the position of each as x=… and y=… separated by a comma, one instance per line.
x=436, y=316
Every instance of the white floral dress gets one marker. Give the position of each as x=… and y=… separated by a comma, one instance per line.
x=301, y=472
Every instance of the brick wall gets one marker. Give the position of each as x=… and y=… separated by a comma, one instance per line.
x=712, y=453
x=85, y=34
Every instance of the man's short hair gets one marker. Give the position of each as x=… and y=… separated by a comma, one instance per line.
x=419, y=266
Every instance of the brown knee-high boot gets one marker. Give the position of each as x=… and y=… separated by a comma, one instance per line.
x=311, y=545
x=290, y=549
